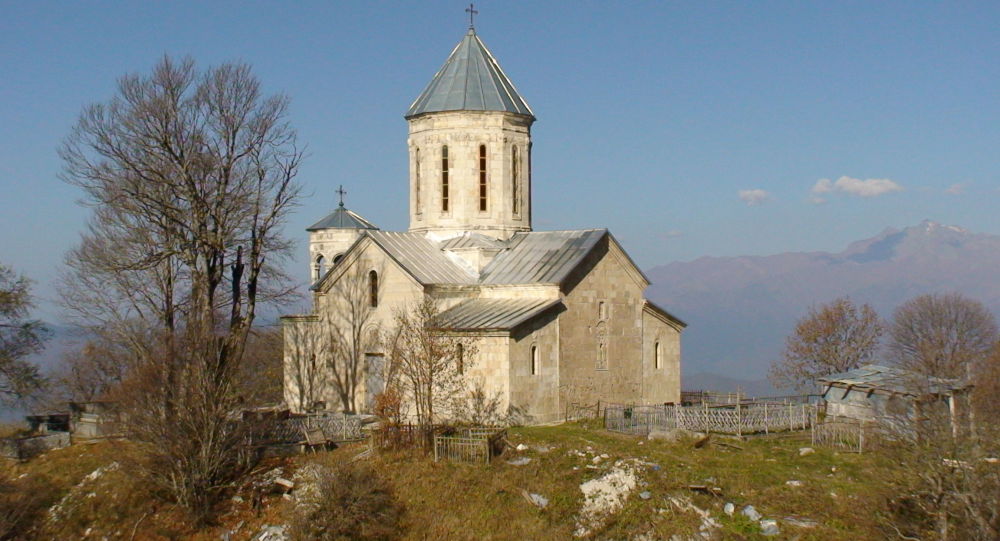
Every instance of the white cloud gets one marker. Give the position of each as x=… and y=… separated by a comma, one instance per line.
x=956, y=189
x=853, y=186
x=754, y=197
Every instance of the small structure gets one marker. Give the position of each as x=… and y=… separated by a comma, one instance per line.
x=42, y=423
x=96, y=419
x=875, y=393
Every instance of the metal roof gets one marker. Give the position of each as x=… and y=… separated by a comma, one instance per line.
x=422, y=258
x=470, y=80
x=342, y=219
x=545, y=257
x=492, y=314
x=473, y=240
x=895, y=380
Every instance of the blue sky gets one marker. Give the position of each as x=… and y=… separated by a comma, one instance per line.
x=688, y=129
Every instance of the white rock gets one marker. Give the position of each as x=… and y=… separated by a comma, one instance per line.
x=596, y=460
x=806, y=451
x=521, y=447
x=520, y=461
x=539, y=500
x=769, y=527
x=729, y=508
x=645, y=495
x=751, y=513
x=793, y=483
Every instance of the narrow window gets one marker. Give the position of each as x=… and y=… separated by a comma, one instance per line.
x=482, y=178
x=416, y=181
x=460, y=359
x=514, y=167
x=319, y=269
x=373, y=289
x=444, y=178
x=602, y=311
x=656, y=355
x=534, y=360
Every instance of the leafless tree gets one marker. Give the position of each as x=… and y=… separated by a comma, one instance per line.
x=428, y=362
x=350, y=331
x=942, y=335
x=19, y=337
x=91, y=371
x=304, y=372
x=834, y=337
x=190, y=177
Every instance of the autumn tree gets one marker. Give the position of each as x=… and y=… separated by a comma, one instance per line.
x=942, y=335
x=19, y=337
x=832, y=338
x=190, y=175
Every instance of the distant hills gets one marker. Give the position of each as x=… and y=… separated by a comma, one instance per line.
x=740, y=309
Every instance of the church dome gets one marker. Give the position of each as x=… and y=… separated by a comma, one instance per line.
x=342, y=219
x=470, y=80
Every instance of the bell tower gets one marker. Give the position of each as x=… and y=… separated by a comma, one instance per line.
x=470, y=149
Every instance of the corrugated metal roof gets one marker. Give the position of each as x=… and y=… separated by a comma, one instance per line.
x=493, y=314
x=342, y=219
x=422, y=258
x=896, y=380
x=470, y=80
x=473, y=240
x=545, y=257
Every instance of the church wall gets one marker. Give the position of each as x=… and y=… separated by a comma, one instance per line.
x=397, y=291
x=661, y=384
x=586, y=374
x=534, y=398
x=329, y=243
x=463, y=132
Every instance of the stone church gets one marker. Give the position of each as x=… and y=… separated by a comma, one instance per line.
x=559, y=317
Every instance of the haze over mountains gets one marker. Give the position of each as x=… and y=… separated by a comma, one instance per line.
x=740, y=309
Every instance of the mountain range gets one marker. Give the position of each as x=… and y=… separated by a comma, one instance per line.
x=740, y=309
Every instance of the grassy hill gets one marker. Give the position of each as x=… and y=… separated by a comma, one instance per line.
x=89, y=491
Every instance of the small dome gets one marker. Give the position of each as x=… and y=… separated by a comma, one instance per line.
x=342, y=219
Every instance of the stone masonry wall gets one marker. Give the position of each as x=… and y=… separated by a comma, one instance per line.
x=661, y=384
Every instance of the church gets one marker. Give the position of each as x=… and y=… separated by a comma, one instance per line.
x=558, y=317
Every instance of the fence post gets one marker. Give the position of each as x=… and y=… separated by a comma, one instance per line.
x=861, y=436
x=739, y=419
x=791, y=425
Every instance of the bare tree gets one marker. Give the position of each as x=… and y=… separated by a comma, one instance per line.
x=304, y=371
x=351, y=331
x=428, y=362
x=90, y=371
x=942, y=335
x=190, y=176
x=19, y=337
x=834, y=337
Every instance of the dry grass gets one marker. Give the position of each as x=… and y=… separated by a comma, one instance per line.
x=840, y=491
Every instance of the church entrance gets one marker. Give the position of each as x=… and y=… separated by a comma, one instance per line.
x=374, y=378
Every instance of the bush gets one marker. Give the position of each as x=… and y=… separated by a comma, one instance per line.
x=23, y=503
x=349, y=502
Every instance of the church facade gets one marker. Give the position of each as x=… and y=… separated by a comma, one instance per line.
x=558, y=317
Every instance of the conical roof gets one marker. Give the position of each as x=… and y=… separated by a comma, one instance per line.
x=470, y=80
x=342, y=219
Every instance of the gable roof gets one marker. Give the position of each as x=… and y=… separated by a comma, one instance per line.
x=422, y=258
x=342, y=219
x=543, y=257
x=657, y=309
x=492, y=314
x=470, y=80
x=895, y=380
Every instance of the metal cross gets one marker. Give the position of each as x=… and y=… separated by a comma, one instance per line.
x=342, y=193
x=471, y=10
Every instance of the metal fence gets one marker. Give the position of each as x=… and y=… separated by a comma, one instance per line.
x=477, y=445
x=738, y=419
x=845, y=433
x=336, y=428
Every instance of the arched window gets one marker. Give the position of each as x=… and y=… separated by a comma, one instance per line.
x=373, y=289
x=337, y=258
x=514, y=171
x=656, y=355
x=534, y=360
x=416, y=181
x=460, y=358
x=482, y=178
x=319, y=268
x=602, y=311
x=444, y=178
